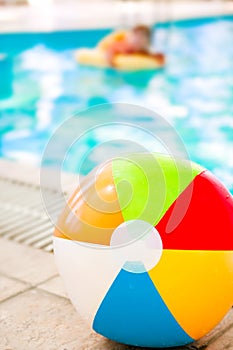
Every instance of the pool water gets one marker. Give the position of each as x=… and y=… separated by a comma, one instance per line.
x=41, y=85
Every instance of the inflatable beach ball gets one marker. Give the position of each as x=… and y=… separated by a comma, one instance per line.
x=145, y=249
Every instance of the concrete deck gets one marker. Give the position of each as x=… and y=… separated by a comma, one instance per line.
x=35, y=312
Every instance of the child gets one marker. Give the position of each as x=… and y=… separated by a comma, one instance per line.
x=136, y=40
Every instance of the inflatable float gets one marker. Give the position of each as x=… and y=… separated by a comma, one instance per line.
x=125, y=62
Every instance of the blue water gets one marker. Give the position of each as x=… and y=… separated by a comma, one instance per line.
x=41, y=85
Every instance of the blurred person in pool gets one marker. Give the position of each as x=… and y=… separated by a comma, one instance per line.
x=136, y=40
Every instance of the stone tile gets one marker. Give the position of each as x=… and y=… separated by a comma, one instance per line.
x=54, y=286
x=25, y=263
x=38, y=320
x=225, y=342
x=26, y=173
x=216, y=332
x=19, y=171
x=10, y=287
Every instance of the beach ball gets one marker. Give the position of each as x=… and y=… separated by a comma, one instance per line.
x=145, y=249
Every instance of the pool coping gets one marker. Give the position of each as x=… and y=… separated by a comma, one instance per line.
x=29, y=174
x=71, y=15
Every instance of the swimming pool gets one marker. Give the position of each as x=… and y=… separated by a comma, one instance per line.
x=41, y=85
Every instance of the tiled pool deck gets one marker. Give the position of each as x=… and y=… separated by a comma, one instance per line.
x=34, y=310
x=36, y=314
